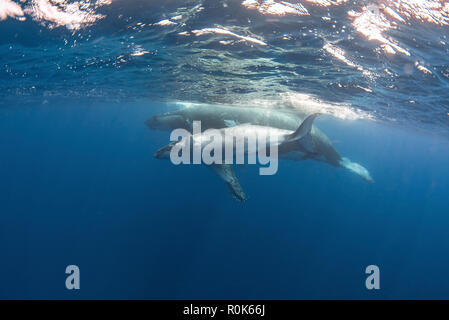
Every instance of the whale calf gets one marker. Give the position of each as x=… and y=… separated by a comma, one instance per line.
x=285, y=141
x=298, y=144
x=220, y=116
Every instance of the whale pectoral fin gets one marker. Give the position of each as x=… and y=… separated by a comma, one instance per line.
x=188, y=124
x=230, y=123
x=357, y=169
x=226, y=172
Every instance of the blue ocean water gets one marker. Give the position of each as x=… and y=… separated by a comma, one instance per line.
x=79, y=183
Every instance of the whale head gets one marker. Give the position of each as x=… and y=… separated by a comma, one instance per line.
x=166, y=121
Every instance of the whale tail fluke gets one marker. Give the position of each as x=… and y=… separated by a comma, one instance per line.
x=303, y=135
x=304, y=129
x=357, y=169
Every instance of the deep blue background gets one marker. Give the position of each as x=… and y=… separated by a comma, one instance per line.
x=79, y=185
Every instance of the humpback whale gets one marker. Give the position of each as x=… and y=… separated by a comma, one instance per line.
x=220, y=116
x=298, y=144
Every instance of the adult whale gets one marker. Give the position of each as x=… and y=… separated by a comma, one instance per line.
x=219, y=116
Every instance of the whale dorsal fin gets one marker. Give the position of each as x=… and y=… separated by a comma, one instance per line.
x=226, y=172
x=304, y=129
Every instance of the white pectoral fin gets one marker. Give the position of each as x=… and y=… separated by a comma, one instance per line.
x=230, y=123
x=226, y=172
x=356, y=168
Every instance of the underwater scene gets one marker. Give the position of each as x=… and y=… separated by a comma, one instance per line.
x=118, y=180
